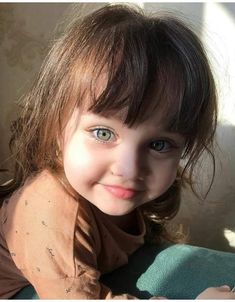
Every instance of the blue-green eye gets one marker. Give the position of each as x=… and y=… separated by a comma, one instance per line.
x=103, y=134
x=161, y=146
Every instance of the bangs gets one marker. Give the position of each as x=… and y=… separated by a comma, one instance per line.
x=140, y=80
x=143, y=65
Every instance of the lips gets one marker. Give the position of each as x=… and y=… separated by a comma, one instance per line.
x=121, y=192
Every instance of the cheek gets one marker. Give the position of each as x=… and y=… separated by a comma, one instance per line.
x=82, y=165
x=164, y=174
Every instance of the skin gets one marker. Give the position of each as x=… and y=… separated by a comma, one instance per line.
x=99, y=152
x=219, y=293
x=117, y=168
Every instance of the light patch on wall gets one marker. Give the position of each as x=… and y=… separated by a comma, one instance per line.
x=230, y=236
x=138, y=3
x=218, y=33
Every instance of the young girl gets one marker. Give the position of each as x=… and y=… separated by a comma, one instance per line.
x=121, y=98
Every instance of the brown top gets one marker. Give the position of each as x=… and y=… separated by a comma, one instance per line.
x=58, y=244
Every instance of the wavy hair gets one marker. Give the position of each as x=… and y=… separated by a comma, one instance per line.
x=150, y=62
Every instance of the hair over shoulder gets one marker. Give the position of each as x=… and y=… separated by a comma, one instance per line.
x=149, y=62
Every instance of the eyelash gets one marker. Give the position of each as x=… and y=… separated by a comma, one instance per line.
x=171, y=144
x=92, y=131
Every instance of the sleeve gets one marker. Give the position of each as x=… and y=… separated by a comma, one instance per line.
x=57, y=258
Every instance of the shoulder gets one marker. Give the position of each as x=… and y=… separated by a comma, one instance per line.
x=43, y=185
x=42, y=190
x=41, y=202
x=40, y=220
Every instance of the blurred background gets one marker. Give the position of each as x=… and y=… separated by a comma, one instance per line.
x=26, y=32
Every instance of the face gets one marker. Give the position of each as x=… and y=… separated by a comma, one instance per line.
x=117, y=168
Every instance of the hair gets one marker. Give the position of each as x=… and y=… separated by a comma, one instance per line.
x=150, y=63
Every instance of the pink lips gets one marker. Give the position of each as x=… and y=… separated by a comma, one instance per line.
x=121, y=192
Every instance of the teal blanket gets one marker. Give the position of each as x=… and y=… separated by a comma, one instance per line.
x=177, y=272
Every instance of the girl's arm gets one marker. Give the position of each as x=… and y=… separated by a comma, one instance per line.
x=221, y=293
x=40, y=231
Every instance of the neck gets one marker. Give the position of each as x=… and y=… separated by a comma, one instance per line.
x=128, y=222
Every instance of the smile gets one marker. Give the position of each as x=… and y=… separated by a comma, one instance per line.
x=120, y=192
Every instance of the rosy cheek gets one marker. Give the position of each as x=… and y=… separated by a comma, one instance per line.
x=76, y=162
x=83, y=163
x=163, y=176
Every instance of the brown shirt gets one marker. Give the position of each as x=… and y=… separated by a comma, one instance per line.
x=58, y=244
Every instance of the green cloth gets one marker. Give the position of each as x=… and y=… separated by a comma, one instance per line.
x=176, y=272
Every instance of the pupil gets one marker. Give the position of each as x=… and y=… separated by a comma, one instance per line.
x=158, y=145
x=103, y=134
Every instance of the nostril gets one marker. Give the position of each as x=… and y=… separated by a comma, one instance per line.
x=127, y=176
x=116, y=173
x=126, y=164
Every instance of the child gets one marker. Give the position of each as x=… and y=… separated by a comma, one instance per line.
x=121, y=98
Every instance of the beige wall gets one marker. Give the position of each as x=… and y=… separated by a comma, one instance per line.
x=25, y=31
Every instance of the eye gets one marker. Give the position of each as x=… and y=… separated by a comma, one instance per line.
x=103, y=134
x=161, y=145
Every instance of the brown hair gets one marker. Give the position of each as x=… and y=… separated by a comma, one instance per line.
x=150, y=62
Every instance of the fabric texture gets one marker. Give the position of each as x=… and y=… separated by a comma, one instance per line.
x=58, y=244
x=176, y=272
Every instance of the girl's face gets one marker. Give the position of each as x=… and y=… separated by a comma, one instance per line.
x=117, y=168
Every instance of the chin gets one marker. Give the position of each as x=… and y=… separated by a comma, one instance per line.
x=116, y=211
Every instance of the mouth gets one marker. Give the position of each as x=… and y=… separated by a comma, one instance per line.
x=121, y=192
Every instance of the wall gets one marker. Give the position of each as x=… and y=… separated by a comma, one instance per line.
x=25, y=32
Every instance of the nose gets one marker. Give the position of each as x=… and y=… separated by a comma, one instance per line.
x=127, y=163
